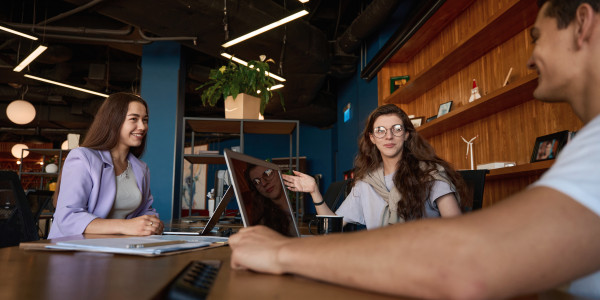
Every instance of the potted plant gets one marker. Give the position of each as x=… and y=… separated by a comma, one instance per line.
x=239, y=84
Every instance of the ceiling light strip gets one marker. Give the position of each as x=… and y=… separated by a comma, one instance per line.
x=40, y=49
x=66, y=85
x=266, y=28
x=241, y=62
x=31, y=37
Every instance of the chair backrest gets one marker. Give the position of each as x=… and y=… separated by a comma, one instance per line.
x=38, y=201
x=16, y=220
x=475, y=181
x=335, y=194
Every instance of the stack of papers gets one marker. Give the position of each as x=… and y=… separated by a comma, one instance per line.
x=150, y=245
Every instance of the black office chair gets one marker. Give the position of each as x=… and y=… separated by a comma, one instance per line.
x=40, y=200
x=16, y=220
x=335, y=194
x=475, y=182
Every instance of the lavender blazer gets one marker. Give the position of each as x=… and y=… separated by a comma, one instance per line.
x=88, y=187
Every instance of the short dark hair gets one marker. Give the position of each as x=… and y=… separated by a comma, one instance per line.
x=104, y=131
x=564, y=10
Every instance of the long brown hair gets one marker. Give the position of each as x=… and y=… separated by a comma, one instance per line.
x=413, y=182
x=106, y=127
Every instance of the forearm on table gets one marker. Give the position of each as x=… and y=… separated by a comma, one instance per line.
x=481, y=255
x=106, y=226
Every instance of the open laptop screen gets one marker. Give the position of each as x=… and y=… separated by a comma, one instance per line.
x=260, y=193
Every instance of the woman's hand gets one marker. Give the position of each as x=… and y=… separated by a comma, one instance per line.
x=143, y=225
x=300, y=182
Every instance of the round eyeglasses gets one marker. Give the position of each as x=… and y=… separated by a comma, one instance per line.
x=380, y=131
x=268, y=173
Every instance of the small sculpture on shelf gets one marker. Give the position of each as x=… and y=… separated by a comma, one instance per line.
x=474, y=92
x=470, y=149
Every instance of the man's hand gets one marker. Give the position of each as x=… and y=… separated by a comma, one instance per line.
x=257, y=248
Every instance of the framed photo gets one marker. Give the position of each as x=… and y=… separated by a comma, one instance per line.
x=548, y=146
x=431, y=119
x=417, y=121
x=444, y=108
x=397, y=82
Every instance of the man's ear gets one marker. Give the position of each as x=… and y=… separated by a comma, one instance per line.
x=585, y=21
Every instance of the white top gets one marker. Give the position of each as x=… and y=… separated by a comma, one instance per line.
x=364, y=206
x=128, y=196
x=576, y=173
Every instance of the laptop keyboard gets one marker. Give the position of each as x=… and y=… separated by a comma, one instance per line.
x=195, y=281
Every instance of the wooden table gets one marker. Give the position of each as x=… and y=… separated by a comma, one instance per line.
x=36, y=274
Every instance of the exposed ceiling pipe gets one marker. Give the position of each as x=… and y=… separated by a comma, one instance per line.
x=366, y=23
x=81, y=30
x=172, y=38
x=71, y=12
x=97, y=39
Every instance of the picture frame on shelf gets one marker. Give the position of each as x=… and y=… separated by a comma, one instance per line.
x=444, y=108
x=431, y=119
x=398, y=82
x=418, y=121
x=548, y=146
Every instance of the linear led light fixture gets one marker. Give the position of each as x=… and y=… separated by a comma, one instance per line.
x=31, y=37
x=40, y=49
x=266, y=28
x=66, y=85
x=241, y=62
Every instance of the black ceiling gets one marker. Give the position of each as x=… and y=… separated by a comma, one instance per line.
x=98, y=44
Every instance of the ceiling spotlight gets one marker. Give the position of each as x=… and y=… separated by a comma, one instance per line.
x=66, y=85
x=303, y=1
x=40, y=49
x=17, y=150
x=20, y=112
x=241, y=62
x=266, y=28
x=31, y=37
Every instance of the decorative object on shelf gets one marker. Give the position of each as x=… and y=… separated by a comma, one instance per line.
x=417, y=121
x=431, y=119
x=73, y=140
x=470, y=149
x=444, y=108
x=496, y=165
x=398, y=82
x=507, y=77
x=50, y=165
x=20, y=112
x=474, y=92
x=232, y=80
x=51, y=168
x=548, y=146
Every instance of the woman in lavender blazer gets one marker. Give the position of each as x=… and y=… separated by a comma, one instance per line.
x=104, y=186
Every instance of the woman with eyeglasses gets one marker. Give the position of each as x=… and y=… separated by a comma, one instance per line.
x=398, y=176
x=269, y=205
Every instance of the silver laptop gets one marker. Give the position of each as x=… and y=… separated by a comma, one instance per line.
x=261, y=196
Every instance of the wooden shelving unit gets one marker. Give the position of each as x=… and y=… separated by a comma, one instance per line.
x=504, y=25
x=535, y=168
x=511, y=95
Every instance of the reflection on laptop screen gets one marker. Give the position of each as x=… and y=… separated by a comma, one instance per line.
x=260, y=193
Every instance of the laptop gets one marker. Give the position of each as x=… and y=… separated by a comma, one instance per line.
x=211, y=222
x=261, y=195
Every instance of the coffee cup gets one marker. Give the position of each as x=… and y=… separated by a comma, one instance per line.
x=327, y=224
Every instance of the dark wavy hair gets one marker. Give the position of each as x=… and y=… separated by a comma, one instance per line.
x=106, y=127
x=564, y=10
x=412, y=182
x=273, y=216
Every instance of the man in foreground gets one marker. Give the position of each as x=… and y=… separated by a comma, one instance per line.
x=538, y=239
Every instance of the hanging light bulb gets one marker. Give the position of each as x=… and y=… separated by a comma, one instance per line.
x=20, y=112
x=17, y=149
